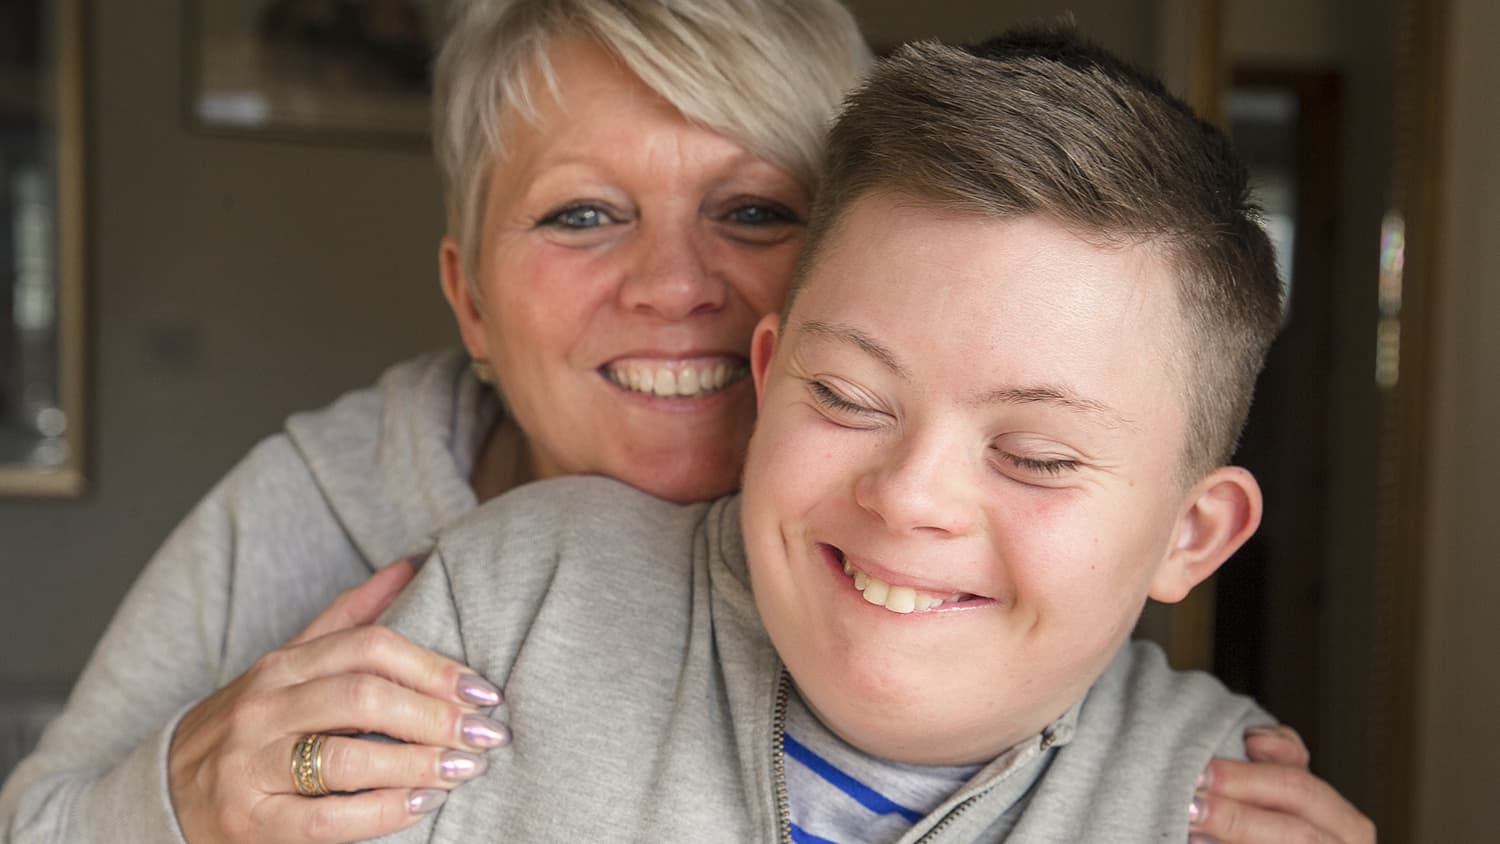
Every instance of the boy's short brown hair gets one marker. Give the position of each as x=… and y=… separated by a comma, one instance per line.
x=1041, y=122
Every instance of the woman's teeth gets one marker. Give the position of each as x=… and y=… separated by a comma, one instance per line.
x=899, y=599
x=686, y=381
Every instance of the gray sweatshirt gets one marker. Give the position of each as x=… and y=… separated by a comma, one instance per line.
x=307, y=514
x=646, y=699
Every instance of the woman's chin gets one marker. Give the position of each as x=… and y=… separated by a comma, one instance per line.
x=684, y=483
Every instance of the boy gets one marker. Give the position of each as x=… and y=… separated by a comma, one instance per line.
x=994, y=419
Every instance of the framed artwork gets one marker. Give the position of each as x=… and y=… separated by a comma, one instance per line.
x=354, y=70
x=41, y=248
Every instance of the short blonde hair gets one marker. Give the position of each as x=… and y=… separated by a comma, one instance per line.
x=768, y=74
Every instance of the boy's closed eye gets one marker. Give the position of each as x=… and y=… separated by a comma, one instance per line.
x=1035, y=467
x=1031, y=469
x=842, y=410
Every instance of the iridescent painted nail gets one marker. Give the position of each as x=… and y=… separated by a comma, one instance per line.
x=458, y=765
x=480, y=731
x=474, y=689
x=424, y=800
x=1197, y=810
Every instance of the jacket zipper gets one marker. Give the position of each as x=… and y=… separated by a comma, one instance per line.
x=778, y=770
x=778, y=758
x=949, y=818
x=1047, y=741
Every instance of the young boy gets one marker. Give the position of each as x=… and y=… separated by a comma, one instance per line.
x=994, y=419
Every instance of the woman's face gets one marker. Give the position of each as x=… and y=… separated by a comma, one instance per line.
x=626, y=256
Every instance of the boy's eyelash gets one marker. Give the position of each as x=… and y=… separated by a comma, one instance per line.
x=1053, y=467
x=828, y=398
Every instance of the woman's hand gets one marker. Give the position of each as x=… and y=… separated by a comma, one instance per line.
x=1273, y=798
x=230, y=763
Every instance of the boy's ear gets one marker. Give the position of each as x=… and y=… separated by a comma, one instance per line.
x=461, y=300
x=1222, y=511
x=762, y=351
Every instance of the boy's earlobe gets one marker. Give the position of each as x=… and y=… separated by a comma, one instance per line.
x=1222, y=511
x=460, y=299
x=762, y=352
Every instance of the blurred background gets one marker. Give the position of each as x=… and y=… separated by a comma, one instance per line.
x=244, y=256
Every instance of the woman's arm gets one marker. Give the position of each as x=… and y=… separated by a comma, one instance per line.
x=254, y=563
x=98, y=772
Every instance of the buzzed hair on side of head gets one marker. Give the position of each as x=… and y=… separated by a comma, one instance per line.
x=1042, y=122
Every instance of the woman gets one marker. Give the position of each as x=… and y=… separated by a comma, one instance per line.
x=625, y=185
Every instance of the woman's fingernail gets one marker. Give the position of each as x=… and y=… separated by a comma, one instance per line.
x=1205, y=778
x=480, y=731
x=458, y=765
x=1202, y=839
x=424, y=800
x=1263, y=730
x=474, y=689
x=1197, y=811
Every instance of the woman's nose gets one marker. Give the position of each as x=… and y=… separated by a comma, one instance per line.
x=671, y=274
x=919, y=487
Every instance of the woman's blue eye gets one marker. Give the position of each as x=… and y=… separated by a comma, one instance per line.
x=763, y=214
x=577, y=217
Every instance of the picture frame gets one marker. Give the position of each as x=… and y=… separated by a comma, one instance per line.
x=42, y=259
x=353, y=71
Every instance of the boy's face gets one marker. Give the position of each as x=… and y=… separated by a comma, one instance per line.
x=978, y=419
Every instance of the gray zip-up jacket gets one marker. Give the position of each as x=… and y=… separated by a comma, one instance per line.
x=646, y=699
x=307, y=514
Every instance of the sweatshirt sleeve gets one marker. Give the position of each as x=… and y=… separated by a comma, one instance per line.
x=99, y=772
x=1232, y=743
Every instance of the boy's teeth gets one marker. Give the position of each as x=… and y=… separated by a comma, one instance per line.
x=899, y=599
x=902, y=599
x=688, y=381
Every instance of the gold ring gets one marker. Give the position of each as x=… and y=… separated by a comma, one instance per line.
x=307, y=765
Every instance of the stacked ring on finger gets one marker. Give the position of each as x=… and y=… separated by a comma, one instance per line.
x=307, y=765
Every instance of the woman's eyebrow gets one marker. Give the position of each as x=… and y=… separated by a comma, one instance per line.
x=850, y=334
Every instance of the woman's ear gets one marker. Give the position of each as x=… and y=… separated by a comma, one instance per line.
x=1222, y=511
x=460, y=298
x=762, y=352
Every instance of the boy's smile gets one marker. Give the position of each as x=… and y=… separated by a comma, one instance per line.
x=962, y=485
x=897, y=593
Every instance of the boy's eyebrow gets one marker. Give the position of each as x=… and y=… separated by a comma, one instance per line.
x=850, y=334
x=1055, y=395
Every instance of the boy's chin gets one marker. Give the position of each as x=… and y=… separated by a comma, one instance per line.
x=907, y=723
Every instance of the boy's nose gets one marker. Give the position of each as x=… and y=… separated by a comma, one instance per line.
x=919, y=489
x=670, y=275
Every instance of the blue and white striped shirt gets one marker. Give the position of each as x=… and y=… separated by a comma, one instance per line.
x=839, y=795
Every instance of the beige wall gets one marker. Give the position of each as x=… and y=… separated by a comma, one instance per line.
x=1459, y=739
x=232, y=280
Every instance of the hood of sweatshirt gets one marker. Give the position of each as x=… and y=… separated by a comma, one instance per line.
x=393, y=460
